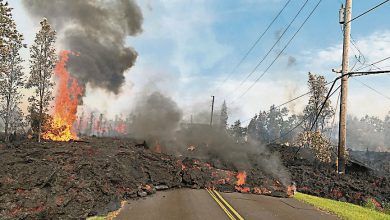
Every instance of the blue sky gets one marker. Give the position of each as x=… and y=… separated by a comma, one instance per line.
x=187, y=49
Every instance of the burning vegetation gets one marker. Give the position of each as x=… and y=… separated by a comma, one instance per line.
x=68, y=91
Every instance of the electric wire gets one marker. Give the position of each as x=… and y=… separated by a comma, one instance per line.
x=273, y=46
x=369, y=10
x=253, y=46
x=277, y=57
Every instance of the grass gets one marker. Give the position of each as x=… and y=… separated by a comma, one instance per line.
x=343, y=210
x=97, y=218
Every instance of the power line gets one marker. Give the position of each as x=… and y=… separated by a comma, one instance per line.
x=373, y=64
x=366, y=73
x=289, y=101
x=274, y=45
x=323, y=104
x=305, y=118
x=276, y=58
x=254, y=44
x=383, y=95
x=369, y=10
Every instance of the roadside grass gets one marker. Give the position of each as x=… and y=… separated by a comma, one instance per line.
x=343, y=210
x=97, y=218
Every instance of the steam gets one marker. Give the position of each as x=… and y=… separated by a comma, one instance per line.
x=97, y=31
x=157, y=117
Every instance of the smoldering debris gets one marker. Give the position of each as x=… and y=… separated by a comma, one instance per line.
x=96, y=31
x=157, y=119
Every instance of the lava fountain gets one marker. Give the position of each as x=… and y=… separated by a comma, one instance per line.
x=68, y=91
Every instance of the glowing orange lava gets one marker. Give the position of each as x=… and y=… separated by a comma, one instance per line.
x=68, y=91
x=241, y=178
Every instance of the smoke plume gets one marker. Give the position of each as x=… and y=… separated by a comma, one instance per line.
x=157, y=118
x=96, y=31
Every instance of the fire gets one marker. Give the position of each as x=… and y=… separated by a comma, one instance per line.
x=241, y=178
x=120, y=128
x=157, y=147
x=65, y=103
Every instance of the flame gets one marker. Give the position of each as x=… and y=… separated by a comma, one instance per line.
x=291, y=190
x=65, y=103
x=241, y=178
x=157, y=147
x=120, y=128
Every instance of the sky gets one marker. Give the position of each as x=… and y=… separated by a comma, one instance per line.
x=189, y=50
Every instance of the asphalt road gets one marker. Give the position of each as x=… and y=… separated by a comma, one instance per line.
x=202, y=204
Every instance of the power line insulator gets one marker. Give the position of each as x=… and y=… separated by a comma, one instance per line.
x=342, y=14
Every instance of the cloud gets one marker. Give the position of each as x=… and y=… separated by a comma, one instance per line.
x=281, y=84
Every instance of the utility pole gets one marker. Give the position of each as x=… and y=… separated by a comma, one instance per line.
x=212, y=111
x=344, y=88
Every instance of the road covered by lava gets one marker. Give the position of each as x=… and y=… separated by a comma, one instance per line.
x=77, y=179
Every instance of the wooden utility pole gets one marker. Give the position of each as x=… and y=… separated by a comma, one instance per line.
x=344, y=88
x=212, y=111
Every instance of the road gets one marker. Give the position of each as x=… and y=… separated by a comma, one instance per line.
x=203, y=204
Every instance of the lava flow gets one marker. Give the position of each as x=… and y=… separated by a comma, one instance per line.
x=241, y=178
x=65, y=105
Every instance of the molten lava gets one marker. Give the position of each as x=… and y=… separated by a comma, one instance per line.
x=68, y=91
x=241, y=178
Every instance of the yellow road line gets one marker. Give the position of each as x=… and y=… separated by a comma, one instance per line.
x=229, y=206
x=221, y=205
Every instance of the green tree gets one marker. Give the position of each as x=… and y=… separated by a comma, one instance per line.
x=318, y=91
x=238, y=132
x=386, y=132
x=42, y=62
x=223, y=117
x=11, y=75
x=275, y=121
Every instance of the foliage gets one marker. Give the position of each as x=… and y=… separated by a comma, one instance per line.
x=11, y=75
x=272, y=125
x=368, y=132
x=342, y=209
x=223, y=117
x=319, y=145
x=370, y=204
x=318, y=92
x=238, y=132
x=34, y=119
x=43, y=60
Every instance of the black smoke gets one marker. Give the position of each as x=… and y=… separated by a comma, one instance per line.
x=96, y=30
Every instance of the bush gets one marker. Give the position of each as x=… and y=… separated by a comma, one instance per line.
x=319, y=144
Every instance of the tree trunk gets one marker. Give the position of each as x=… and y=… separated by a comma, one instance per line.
x=39, y=130
x=6, y=129
x=6, y=123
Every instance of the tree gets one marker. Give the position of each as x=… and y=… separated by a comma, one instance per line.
x=223, y=117
x=11, y=78
x=317, y=143
x=238, y=132
x=386, y=126
x=252, y=129
x=42, y=62
x=318, y=91
x=275, y=120
x=289, y=129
